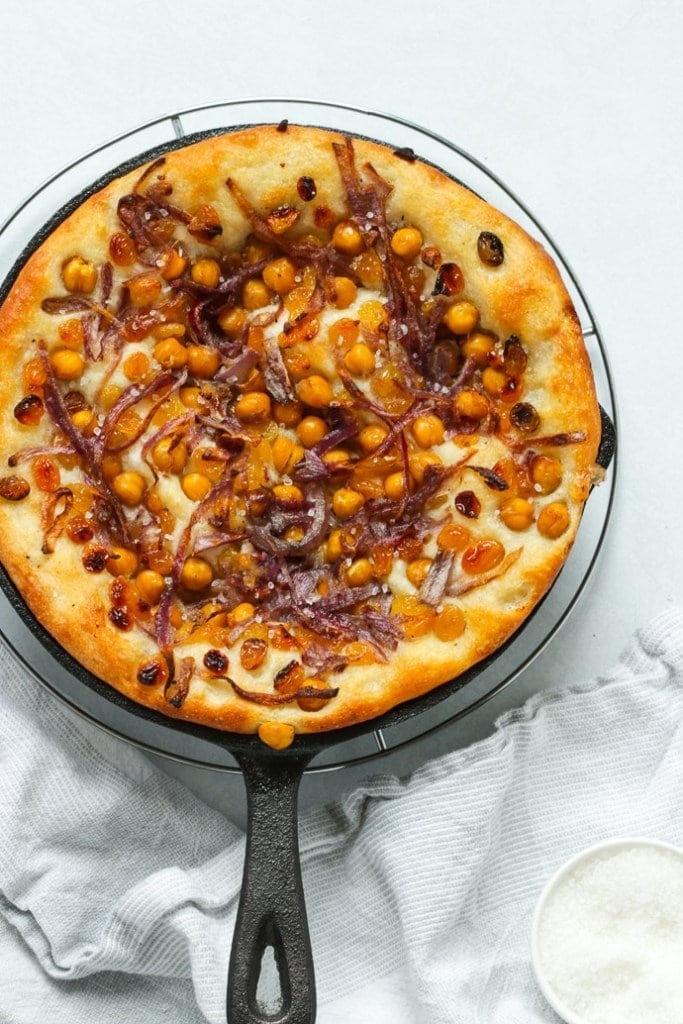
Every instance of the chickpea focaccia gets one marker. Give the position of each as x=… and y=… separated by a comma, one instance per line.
x=295, y=429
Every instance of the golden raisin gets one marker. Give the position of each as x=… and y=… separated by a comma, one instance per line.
x=121, y=249
x=449, y=624
x=46, y=474
x=252, y=653
x=453, y=537
x=483, y=556
x=14, y=488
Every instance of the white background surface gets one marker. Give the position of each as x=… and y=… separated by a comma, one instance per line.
x=576, y=106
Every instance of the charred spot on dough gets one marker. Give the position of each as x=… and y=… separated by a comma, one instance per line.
x=406, y=153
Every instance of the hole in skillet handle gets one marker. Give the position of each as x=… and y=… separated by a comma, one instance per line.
x=271, y=917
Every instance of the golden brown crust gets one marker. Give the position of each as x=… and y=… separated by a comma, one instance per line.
x=524, y=296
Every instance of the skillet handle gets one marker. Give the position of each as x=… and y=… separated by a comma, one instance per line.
x=272, y=912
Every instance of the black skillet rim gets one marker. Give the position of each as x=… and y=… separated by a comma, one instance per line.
x=314, y=742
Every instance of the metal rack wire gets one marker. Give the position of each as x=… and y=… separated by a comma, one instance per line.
x=30, y=216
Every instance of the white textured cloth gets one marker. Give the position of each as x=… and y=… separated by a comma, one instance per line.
x=118, y=889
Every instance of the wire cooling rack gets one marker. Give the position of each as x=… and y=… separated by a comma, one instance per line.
x=58, y=190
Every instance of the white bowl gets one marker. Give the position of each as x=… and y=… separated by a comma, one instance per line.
x=569, y=1015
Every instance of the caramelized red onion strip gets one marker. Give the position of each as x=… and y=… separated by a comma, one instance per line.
x=365, y=402
x=466, y=583
x=132, y=396
x=414, y=331
x=517, y=444
x=434, y=585
x=275, y=699
x=275, y=375
x=148, y=171
x=262, y=536
x=59, y=414
x=25, y=454
x=178, y=684
x=164, y=634
x=323, y=256
x=60, y=305
x=178, y=425
x=54, y=517
x=222, y=489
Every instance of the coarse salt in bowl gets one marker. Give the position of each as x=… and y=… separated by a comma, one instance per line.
x=607, y=935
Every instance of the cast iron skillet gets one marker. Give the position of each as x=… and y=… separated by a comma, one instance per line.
x=272, y=911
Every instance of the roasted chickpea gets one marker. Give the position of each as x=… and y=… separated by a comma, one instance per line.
x=195, y=486
x=79, y=275
x=144, y=289
x=417, y=570
x=310, y=430
x=418, y=463
x=150, y=585
x=344, y=292
x=360, y=360
x=428, y=430
x=406, y=242
x=359, y=572
x=202, y=362
x=255, y=294
x=122, y=562
x=206, y=272
x=471, y=404
x=288, y=494
x=253, y=407
x=517, y=513
x=395, y=485
x=494, y=381
x=170, y=455
x=553, y=520
x=337, y=456
x=346, y=502
x=196, y=574
x=232, y=321
x=461, y=317
x=333, y=546
x=67, y=364
x=276, y=735
x=478, y=347
x=129, y=487
x=170, y=353
x=347, y=238
x=280, y=275
x=371, y=437
x=241, y=613
x=173, y=264
x=285, y=453
x=546, y=474
x=315, y=391
x=288, y=414
x=85, y=421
